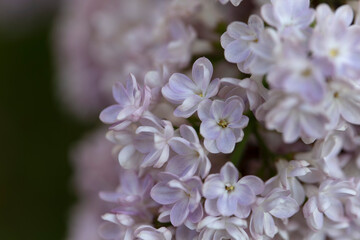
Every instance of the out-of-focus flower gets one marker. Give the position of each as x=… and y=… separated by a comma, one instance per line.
x=296, y=73
x=266, y=51
x=132, y=196
x=327, y=200
x=288, y=16
x=342, y=103
x=95, y=169
x=125, y=149
x=237, y=38
x=290, y=116
x=326, y=43
x=234, y=2
x=99, y=42
x=150, y=233
x=223, y=228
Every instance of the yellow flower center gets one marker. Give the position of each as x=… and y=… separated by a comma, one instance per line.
x=307, y=72
x=336, y=94
x=223, y=123
x=334, y=52
x=229, y=187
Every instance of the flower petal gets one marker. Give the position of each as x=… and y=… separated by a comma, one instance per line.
x=237, y=51
x=226, y=141
x=179, y=212
x=255, y=183
x=109, y=115
x=227, y=205
x=164, y=194
x=229, y=173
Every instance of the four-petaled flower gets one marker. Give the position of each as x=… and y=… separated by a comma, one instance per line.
x=229, y=194
x=190, y=93
x=222, y=124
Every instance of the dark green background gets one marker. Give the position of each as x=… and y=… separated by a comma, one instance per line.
x=35, y=189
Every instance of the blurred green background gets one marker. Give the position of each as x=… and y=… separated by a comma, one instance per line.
x=36, y=194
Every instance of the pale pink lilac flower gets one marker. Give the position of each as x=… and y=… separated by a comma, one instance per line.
x=237, y=38
x=290, y=17
x=132, y=101
x=132, y=196
x=323, y=159
x=231, y=194
x=178, y=51
x=190, y=93
x=266, y=52
x=278, y=204
x=183, y=197
x=342, y=103
x=156, y=148
x=292, y=117
x=325, y=16
x=327, y=200
x=251, y=90
x=118, y=226
x=188, y=227
x=125, y=148
x=222, y=123
x=155, y=80
x=99, y=42
x=147, y=232
x=213, y=228
x=327, y=43
x=295, y=72
x=190, y=158
x=233, y=2
x=286, y=178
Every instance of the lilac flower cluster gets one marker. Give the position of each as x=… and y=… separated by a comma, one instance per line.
x=183, y=135
x=312, y=74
